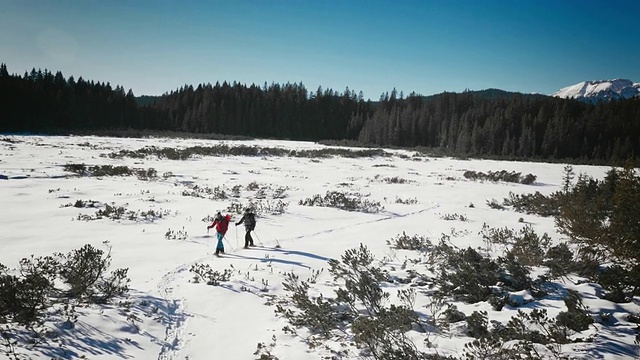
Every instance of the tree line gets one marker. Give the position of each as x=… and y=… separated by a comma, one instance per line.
x=508, y=125
x=489, y=123
x=40, y=101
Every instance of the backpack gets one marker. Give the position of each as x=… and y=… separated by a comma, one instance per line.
x=250, y=221
x=223, y=224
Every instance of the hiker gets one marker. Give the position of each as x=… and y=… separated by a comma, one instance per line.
x=249, y=219
x=221, y=224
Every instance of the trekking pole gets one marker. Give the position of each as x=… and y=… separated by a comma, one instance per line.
x=229, y=242
x=236, y=235
x=257, y=237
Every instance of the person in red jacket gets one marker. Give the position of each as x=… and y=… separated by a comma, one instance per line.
x=221, y=223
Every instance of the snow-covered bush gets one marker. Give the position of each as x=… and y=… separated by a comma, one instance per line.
x=344, y=201
x=406, y=242
x=204, y=273
x=45, y=290
x=84, y=271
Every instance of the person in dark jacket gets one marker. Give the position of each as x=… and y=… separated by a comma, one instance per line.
x=221, y=223
x=249, y=220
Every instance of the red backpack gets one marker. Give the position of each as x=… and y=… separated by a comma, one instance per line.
x=223, y=225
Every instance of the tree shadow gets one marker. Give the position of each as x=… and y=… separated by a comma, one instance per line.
x=91, y=340
x=87, y=339
x=294, y=252
x=269, y=260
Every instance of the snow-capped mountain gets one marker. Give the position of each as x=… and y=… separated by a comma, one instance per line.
x=605, y=90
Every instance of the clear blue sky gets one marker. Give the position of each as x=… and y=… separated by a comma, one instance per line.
x=426, y=46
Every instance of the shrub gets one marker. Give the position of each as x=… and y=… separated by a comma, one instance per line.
x=528, y=248
x=406, y=242
x=559, y=260
x=24, y=299
x=634, y=318
x=406, y=201
x=452, y=314
x=501, y=236
x=576, y=317
x=502, y=175
x=204, y=273
x=465, y=273
x=343, y=201
x=260, y=207
x=243, y=150
x=392, y=180
x=600, y=217
x=618, y=283
x=216, y=193
x=176, y=235
x=84, y=272
x=318, y=314
x=494, y=204
x=114, y=212
x=385, y=335
x=361, y=279
x=514, y=275
x=477, y=324
x=80, y=169
x=110, y=170
x=359, y=306
x=489, y=348
x=535, y=203
x=53, y=286
x=450, y=217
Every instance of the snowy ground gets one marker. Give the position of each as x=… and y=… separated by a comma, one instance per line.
x=181, y=319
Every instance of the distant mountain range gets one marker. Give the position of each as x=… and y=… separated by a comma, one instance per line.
x=600, y=90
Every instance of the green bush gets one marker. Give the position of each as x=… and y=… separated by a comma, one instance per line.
x=204, y=273
x=406, y=242
x=477, y=324
x=44, y=286
x=24, y=299
x=619, y=283
x=243, y=150
x=535, y=203
x=318, y=314
x=576, y=317
x=465, y=274
x=502, y=175
x=110, y=170
x=559, y=260
x=343, y=201
x=601, y=218
x=360, y=305
x=84, y=271
x=528, y=248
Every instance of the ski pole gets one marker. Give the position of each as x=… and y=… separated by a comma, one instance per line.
x=229, y=242
x=257, y=237
x=236, y=232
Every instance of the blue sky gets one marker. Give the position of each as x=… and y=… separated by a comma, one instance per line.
x=427, y=46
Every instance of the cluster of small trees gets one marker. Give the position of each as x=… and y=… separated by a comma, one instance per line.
x=51, y=287
x=601, y=218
